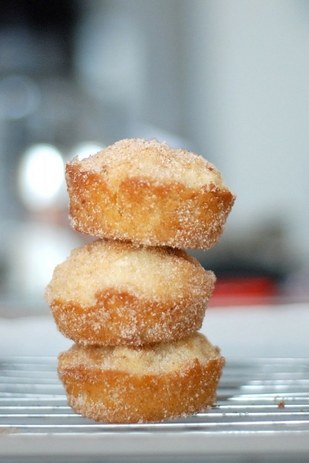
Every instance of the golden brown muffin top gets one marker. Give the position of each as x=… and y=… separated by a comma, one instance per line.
x=158, y=274
x=158, y=359
x=152, y=160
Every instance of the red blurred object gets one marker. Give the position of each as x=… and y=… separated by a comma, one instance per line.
x=244, y=291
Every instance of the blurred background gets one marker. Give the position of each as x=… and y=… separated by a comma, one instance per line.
x=226, y=79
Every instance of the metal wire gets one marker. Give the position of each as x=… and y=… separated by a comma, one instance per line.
x=256, y=397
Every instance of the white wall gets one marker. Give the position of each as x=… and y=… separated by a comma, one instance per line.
x=232, y=77
x=248, y=81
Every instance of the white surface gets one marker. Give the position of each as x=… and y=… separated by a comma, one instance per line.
x=156, y=444
x=271, y=331
x=31, y=336
x=260, y=331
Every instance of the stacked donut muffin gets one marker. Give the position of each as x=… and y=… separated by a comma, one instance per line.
x=132, y=300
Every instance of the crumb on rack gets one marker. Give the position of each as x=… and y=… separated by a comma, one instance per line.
x=281, y=404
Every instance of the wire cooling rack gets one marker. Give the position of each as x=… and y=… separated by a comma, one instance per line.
x=262, y=408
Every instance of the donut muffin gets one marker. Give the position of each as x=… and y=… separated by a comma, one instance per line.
x=148, y=193
x=113, y=293
x=151, y=383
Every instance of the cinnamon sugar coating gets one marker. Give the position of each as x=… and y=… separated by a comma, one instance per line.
x=148, y=193
x=132, y=300
x=151, y=383
x=113, y=293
